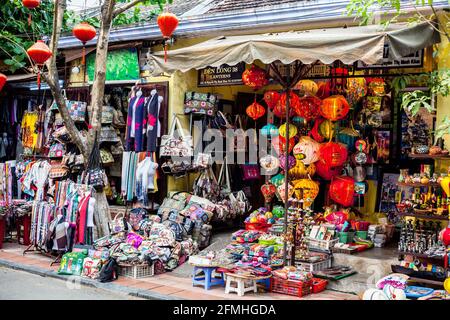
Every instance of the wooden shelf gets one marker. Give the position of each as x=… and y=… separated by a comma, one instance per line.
x=420, y=255
x=423, y=216
x=417, y=185
x=428, y=156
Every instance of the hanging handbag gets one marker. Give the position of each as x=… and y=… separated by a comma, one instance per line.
x=95, y=176
x=106, y=157
x=107, y=115
x=119, y=224
x=181, y=146
x=224, y=174
x=56, y=150
x=206, y=185
x=250, y=172
x=201, y=103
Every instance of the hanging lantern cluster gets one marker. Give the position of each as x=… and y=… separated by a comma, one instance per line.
x=167, y=23
x=334, y=154
x=308, y=107
x=334, y=108
x=84, y=32
x=39, y=53
x=255, y=111
x=255, y=77
x=271, y=98
x=3, y=80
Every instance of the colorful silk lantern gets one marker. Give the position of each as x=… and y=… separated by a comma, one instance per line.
x=294, y=101
x=306, y=190
x=279, y=144
x=31, y=4
x=271, y=98
x=307, y=150
x=269, y=130
x=307, y=86
x=327, y=172
x=326, y=129
x=255, y=111
x=167, y=23
x=39, y=53
x=287, y=163
x=255, y=77
x=308, y=107
x=334, y=108
x=292, y=130
x=324, y=90
x=315, y=130
x=348, y=136
x=334, y=154
x=342, y=189
x=281, y=191
x=280, y=111
x=84, y=32
x=277, y=180
x=300, y=170
x=3, y=80
x=268, y=191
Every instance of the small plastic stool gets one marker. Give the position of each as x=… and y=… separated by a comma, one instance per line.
x=23, y=235
x=208, y=279
x=243, y=285
x=266, y=283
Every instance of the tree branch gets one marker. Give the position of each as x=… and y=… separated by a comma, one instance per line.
x=125, y=7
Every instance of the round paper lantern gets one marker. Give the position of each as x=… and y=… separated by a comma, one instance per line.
x=308, y=107
x=268, y=190
x=307, y=86
x=306, y=190
x=279, y=144
x=254, y=77
x=292, y=130
x=332, y=153
x=334, y=108
x=315, y=130
x=31, y=4
x=3, y=80
x=167, y=23
x=255, y=111
x=269, y=130
x=446, y=237
x=327, y=172
x=39, y=52
x=307, y=150
x=342, y=189
x=301, y=171
x=84, y=32
x=271, y=98
x=287, y=162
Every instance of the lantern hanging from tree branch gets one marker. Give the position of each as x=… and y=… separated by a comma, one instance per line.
x=31, y=4
x=167, y=23
x=39, y=53
x=3, y=80
x=84, y=32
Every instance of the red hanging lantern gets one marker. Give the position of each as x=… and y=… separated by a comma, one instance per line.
x=255, y=77
x=255, y=111
x=334, y=108
x=167, y=23
x=279, y=144
x=324, y=90
x=271, y=98
x=3, y=80
x=342, y=190
x=445, y=236
x=327, y=172
x=333, y=154
x=39, y=53
x=268, y=190
x=31, y=4
x=84, y=32
x=280, y=107
x=308, y=107
x=315, y=133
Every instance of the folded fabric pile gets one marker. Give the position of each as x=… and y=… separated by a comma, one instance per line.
x=259, y=250
x=292, y=273
x=243, y=236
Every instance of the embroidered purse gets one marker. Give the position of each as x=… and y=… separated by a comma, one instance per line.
x=172, y=146
x=201, y=103
x=56, y=150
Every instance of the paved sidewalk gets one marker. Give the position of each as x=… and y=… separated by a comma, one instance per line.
x=167, y=286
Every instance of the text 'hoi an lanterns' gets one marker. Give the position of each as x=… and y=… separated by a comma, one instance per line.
x=334, y=108
x=308, y=107
x=306, y=190
x=255, y=77
x=31, y=4
x=342, y=190
x=326, y=171
x=271, y=98
x=307, y=150
x=255, y=111
x=167, y=23
x=39, y=53
x=3, y=80
x=334, y=154
x=84, y=32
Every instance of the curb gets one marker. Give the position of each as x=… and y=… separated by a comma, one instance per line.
x=134, y=292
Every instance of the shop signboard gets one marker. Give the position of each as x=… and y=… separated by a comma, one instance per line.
x=224, y=75
x=414, y=60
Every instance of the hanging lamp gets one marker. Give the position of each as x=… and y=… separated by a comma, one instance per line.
x=3, y=80
x=84, y=32
x=31, y=4
x=39, y=53
x=167, y=23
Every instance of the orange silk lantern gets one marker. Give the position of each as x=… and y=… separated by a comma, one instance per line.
x=255, y=111
x=327, y=172
x=271, y=98
x=31, y=4
x=3, y=80
x=307, y=86
x=39, y=53
x=342, y=190
x=308, y=107
x=268, y=190
x=167, y=23
x=279, y=144
x=333, y=154
x=84, y=32
x=280, y=107
x=334, y=108
x=255, y=77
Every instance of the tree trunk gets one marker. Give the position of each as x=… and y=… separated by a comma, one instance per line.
x=102, y=215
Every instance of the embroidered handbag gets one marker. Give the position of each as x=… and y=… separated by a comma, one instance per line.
x=119, y=224
x=175, y=202
x=106, y=157
x=135, y=216
x=118, y=121
x=58, y=171
x=181, y=146
x=107, y=115
x=250, y=172
x=206, y=185
x=62, y=135
x=108, y=134
x=56, y=150
x=77, y=110
x=202, y=103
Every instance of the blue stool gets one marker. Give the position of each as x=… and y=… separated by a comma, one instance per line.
x=206, y=277
x=266, y=283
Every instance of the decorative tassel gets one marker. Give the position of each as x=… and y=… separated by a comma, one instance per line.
x=39, y=80
x=165, y=52
x=29, y=19
x=83, y=58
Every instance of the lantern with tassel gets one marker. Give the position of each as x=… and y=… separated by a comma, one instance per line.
x=31, y=4
x=342, y=190
x=334, y=154
x=39, y=53
x=84, y=32
x=308, y=107
x=307, y=150
x=334, y=108
x=306, y=190
x=255, y=77
x=167, y=23
x=255, y=111
x=271, y=98
x=3, y=80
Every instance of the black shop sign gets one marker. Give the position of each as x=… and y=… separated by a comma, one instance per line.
x=224, y=75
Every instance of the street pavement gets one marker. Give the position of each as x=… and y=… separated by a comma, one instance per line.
x=19, y=285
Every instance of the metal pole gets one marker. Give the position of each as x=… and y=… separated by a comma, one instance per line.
x=286, y=181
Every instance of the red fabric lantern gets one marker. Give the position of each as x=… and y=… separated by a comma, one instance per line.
x=324, y=90
x=254, y=77
x=446, y=236
x=255, y=111
x=31, y=4
x=167, y=23
x=39, y=53
x=334, y=108
x=268, y=190
x=327, y=172
x=279, y=144
x=3, y=80
x=308, y=107
x=315, y=134
x=84, y=32
x=342, y=190
x=271, y=98
x=280, y=107
x=333, y=154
